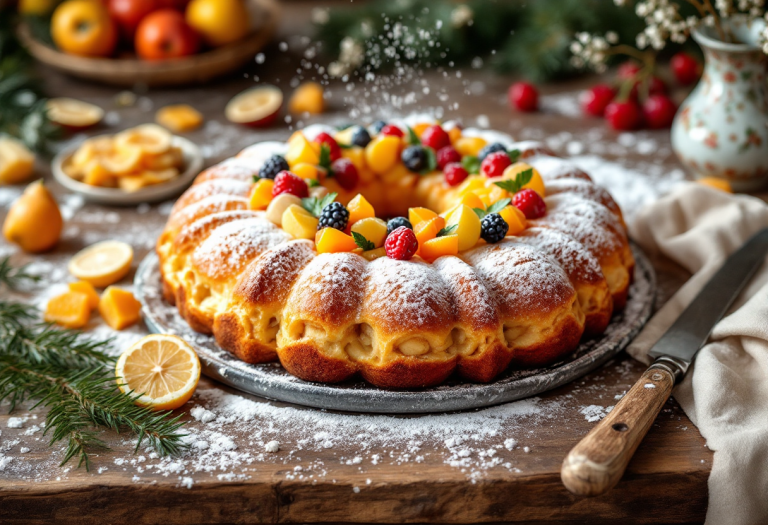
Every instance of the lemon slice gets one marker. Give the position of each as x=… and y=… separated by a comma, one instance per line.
x=103, y=263
x=164, y=369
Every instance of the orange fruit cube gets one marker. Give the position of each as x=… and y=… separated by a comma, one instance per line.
x=428, y=230
x=373, y=229
x=359, y=209
x=70, y=310
x=439, y=246
x=472, y=183
x=84, y=287
x=261, y=195
x=179, y=118
x=420, y=127
x=299, y=223
x=469, y=145
x=356, y=155
x=119, y=308
x=306, y=171
x=300, y=151
x=418, y=215
x=308, y=98
x=454, y=134
x=514, y=218
x=331, y=240
x=383, y=153
x=471, y=200
x=468, y=225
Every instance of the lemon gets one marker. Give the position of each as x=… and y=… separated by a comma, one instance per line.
x=163, y=368
x=103, y=263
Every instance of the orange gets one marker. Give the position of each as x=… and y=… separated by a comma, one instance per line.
x=164, y=369
x=16, y=161
x=34, y=221
x=70, y=310
x=308, y=98
x=219, y=21
x=83, y=27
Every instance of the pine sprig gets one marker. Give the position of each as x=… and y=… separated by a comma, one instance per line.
x=13, y=277
x=72, y=377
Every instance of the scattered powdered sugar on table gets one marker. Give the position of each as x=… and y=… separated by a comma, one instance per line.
x=593, y=413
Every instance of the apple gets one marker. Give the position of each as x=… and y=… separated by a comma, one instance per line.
x=128, y=14
x=73, y=114
x=165, y=34
x=257, y=107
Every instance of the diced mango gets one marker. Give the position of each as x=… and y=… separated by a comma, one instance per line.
x=373, y=229
x=261, y=195
x=16, y=161
x=536, y=183
x=473, y=182
x=300, y=151
x=484, y=194
x=278, y=206
x=420, y=127
x=179, y=118
x=84, y=287
x=308, y=98
x=439, y=246
x=331, y=240
x=372, y=255
x=119, y=308
x=468, y=224
x=496, y=194
x=472, y=200
x=70, y=310
x=514, y=218
x=359, y=209
x=469, y=145
x=454, y=134
x=417, y=215
x=429, y=229
x=306, y=171
x=382, y=153
x=356, y=155
x=299, y=223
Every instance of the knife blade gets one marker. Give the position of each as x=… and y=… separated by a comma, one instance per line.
x=599, y=460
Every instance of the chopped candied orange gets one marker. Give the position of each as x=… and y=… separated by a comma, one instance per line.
x=439, y=246
x=86, y=288
x=331, y=240
x=179, y=118
x=119, y=308
x=70, y=310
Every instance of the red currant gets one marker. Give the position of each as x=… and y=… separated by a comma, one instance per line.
x=333, y=146
x=659, y=111
x=494, y=164
x=391, y=129
x=530, y=203
x=685, y=68
x=435, y=137
x=454, y=173
x=345, y=173
x=623, y=115
x=596, y=99
x=523, y=96
x=446, y=155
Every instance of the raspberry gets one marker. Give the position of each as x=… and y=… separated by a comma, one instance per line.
x=334, y=215
x=493, y=228
x=495, y=164
x=397, y=222
x=447, y=155
x=391, y=129
x=530, y=203
x=345, y=173
x=490, y=148
x=435, y=137
x=623, y=115
x=414, y=158
x=523, y=96
x=274, y=165
x=454, y=173
x=287, y=182
x=594, y=101
x=401, y=244
x=360, y=137
x=333, y=146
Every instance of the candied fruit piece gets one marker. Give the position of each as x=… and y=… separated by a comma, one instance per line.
x=70, y=310
x=84, y=287
x=373, y=229
x=331, y=240
x=468, y=225
x=514, y=218
x=299, y=223
x=382, y=153
x=359, y=208
x=439, y=246
x=469, y=145
x=119, y=308
x=261, y=195
x=179, y=118
x=417, y=215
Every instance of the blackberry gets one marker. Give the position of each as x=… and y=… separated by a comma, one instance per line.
x=414, y=158
x=493, y=228
x=490, y=148
x=274, y=165
x=395, y=223
x=360, y=137
x=334, y=215
x=376, y=126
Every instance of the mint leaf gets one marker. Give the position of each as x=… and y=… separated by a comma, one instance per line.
x=315, y=206
x=431, y=161
x=480, y=212
x=256, y=179
x=516, y=184
x=514, y=154
x=497, y=206
x=471, y=164
x=362, y=242
x=413, y=138
x=313, y=183
x=447, y=230
x=325, y=157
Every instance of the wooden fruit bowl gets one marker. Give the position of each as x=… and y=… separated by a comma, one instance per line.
x=194, y=69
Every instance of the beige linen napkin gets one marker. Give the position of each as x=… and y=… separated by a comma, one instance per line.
x=726, y=392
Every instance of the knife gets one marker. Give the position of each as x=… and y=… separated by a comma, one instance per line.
x=598, y=461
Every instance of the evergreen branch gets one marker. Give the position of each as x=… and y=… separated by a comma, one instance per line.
x=13, y=277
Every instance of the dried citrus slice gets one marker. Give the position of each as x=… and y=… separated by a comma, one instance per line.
x=150, y=138
x=72, y=113
x=123, y=160
x=163, y=368
x=103, y=263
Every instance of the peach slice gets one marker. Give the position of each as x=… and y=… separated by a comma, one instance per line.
x=257, y=107
x=331, y=240
x=439, y=246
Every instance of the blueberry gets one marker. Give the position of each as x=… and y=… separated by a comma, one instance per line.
x=414, y=158
x=376, y=126
x=491, y=148
x=395, y=223
x=360, y=137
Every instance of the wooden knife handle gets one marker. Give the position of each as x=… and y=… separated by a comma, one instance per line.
x=598, y=461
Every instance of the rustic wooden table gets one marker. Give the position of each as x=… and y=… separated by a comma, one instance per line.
x=495, y=465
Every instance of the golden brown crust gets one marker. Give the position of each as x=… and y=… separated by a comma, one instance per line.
x=306, y=362
x=231, y=336
x=566, y=337
x=484, y=367
x=408, y=372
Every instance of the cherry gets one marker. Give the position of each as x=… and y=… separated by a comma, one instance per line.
x=628, y=70
x=594, y=101
x=523, y=96
x=623, y=115
x=685, y=68
x=659, y=111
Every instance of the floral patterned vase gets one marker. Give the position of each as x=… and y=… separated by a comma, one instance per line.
x=721, y=130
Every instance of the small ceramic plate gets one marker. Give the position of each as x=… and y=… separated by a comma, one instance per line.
x=193, y=163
